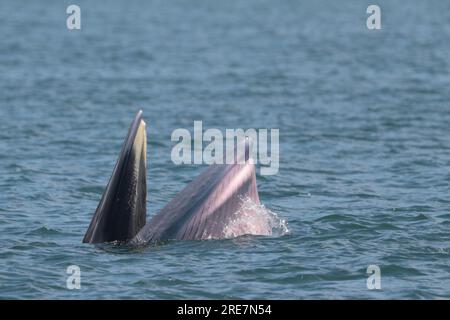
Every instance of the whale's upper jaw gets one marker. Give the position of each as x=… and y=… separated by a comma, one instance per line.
x=121, y=212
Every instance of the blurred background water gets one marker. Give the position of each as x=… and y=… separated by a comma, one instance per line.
x=364, y=121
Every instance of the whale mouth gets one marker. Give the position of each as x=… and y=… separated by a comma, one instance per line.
x=121, y=212
x=222, y=202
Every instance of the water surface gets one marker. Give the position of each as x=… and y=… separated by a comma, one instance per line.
x=364, y=121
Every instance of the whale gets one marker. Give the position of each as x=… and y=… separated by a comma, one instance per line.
x=211, y=206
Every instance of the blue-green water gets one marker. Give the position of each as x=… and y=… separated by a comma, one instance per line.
x=364, y=121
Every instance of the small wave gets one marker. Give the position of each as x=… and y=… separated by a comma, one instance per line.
x=44, y=231
x=92, y=189
x=255, y=219
x=438, y=250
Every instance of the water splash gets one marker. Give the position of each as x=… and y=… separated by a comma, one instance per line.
x=255, y=219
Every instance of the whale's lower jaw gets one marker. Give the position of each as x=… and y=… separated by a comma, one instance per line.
x=204, y=209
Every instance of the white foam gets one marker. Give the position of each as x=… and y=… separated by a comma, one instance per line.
x=255, y=219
